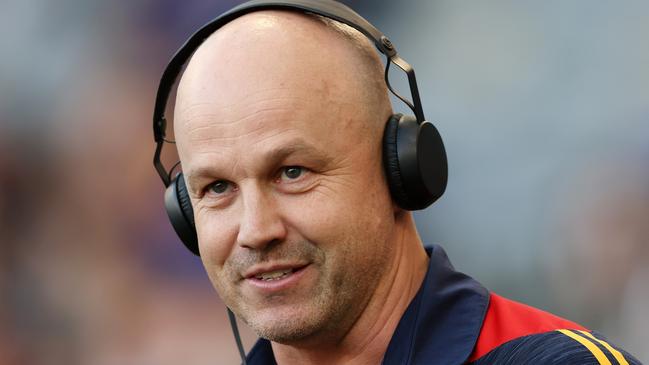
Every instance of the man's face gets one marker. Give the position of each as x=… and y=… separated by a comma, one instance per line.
x=293, y=216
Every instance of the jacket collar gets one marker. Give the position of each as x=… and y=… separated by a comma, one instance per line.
x=441, y=324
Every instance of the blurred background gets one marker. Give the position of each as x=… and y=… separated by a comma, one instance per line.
x=544, y=107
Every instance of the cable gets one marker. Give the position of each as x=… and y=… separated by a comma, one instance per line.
x=237, y=337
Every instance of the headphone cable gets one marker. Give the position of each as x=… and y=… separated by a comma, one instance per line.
x=237, y=337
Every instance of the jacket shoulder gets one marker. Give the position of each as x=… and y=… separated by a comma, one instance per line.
x=515, y=333
x=507, y=320
x=557, y=347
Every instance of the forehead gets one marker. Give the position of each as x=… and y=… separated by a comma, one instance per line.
x=264, y=116
x=254, y=134
x=263, y=79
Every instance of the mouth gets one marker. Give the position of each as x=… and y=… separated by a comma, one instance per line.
x=274, y=275
x=273, y=272
x=276, y=278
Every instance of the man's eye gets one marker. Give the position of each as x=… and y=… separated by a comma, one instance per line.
x=219, y=187
x=292, y=172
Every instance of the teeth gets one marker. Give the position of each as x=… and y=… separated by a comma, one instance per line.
x=273, y=275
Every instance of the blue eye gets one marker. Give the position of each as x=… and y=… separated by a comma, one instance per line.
x=293, y=172
x=219, y=187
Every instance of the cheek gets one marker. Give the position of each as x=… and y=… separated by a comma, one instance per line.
x=215, y=238
x=338, y=214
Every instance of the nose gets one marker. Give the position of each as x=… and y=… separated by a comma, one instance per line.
x=261, y=223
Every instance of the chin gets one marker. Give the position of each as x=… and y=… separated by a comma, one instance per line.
x=286, y=326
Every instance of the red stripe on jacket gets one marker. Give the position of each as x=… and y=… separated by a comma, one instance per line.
x=507, y=320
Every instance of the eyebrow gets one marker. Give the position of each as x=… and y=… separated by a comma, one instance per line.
x=281, y=153
x=273, y=157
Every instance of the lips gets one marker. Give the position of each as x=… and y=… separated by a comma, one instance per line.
x=276, y=278
x=273, y=275
x=270, y=272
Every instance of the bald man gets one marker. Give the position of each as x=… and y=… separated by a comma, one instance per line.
x=280, y=152
x=279, y=121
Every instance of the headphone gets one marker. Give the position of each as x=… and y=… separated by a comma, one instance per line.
x=414, y=157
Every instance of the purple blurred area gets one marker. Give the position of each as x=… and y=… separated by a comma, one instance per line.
x=544, y=109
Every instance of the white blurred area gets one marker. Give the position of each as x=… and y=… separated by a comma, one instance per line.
x=544, y=107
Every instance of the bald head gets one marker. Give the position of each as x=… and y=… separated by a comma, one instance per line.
x=283, y=50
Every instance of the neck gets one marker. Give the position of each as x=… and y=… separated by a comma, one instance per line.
x=369, y=337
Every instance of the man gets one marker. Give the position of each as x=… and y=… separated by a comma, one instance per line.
x=279, y=121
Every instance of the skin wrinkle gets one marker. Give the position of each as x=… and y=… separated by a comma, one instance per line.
x=220, y=142
x=328, y=189
x=274, y=157
x=227, y=141
x=224, y=107
x=205, y=172
x=362, y=251
x=257, y=113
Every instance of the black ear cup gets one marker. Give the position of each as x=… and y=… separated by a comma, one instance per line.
x=391, y=161
x=180, y=212
x=415, y=162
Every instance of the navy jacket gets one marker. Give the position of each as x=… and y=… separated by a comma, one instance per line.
x=454, y=320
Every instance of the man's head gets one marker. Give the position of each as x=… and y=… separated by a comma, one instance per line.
x=279, y=120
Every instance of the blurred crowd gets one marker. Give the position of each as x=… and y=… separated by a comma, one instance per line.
x=545, y=112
